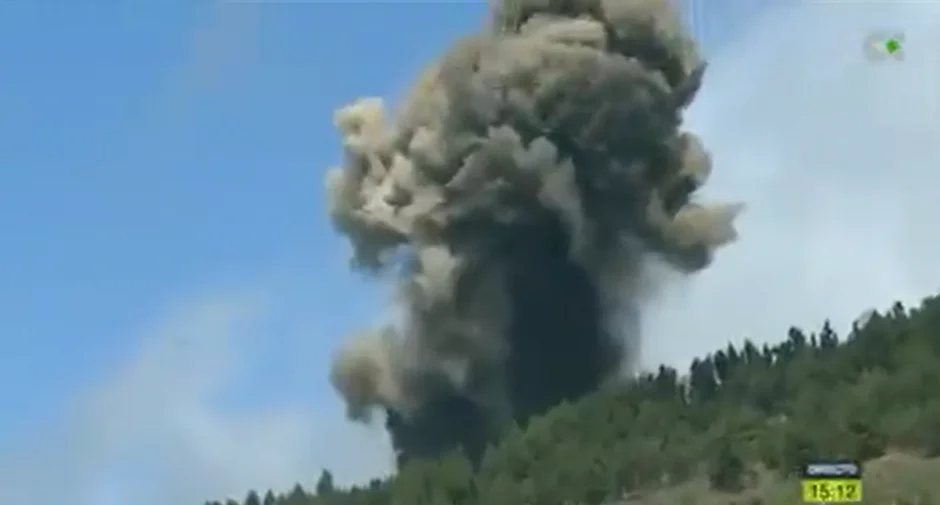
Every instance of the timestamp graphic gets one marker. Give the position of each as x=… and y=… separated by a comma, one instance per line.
x=832, y=482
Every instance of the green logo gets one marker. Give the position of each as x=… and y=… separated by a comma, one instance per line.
x=884, y=45
x=892, y=46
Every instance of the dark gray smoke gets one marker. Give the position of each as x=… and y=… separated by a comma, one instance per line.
x=517, y=198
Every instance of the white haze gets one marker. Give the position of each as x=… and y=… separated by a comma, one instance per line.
x=838, y=160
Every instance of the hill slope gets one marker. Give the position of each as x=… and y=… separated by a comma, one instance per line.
x=731, y=430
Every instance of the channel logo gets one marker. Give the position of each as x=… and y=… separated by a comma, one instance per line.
x=884, y=46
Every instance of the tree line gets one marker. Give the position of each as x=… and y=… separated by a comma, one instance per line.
x=740, y=408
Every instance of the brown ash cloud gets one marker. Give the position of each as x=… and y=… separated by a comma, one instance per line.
x=516, y=200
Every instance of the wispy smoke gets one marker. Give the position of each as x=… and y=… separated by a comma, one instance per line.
x=517, y=197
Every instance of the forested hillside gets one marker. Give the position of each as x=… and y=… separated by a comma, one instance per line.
x=738, y=417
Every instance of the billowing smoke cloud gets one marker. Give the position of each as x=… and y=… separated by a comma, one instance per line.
x=517, y=198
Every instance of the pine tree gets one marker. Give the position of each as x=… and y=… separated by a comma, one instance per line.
x=727, y=469
x=325, y=483
x=269, y=498
x=252, y=498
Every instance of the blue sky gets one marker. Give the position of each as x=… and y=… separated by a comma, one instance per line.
x=152, y=151
x=171, y=290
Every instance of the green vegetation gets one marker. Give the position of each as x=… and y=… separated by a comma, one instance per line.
x=732, y=430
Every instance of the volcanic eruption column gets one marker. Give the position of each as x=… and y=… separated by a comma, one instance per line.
x=515, y=200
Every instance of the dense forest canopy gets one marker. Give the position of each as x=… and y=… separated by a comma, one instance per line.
x=741, y=412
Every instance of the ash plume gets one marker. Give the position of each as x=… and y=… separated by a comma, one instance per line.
x=515, y=200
